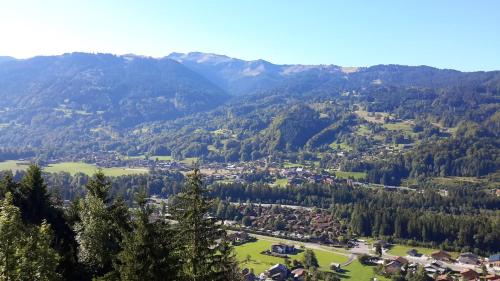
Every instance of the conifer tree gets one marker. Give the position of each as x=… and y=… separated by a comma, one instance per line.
x=36, y=204
x=98, y=232
x=197, y=232
x=25, y=252
x=7, y=184
x=10, y=229
x=37, y=260
x=227, y=266
x=147, y=250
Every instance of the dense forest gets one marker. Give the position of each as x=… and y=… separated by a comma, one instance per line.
x=463, y=219
x=98, y=237
x=455, y=218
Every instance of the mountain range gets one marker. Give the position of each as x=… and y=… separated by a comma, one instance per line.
x=226, y=109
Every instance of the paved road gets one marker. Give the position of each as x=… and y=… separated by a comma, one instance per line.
x=305, y=244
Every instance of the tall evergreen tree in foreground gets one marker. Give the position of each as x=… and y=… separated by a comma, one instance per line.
x=25, y=252
x=148, y=252
x=197, y=235
x=98, y=232
x=37, y=207
x=36, y=201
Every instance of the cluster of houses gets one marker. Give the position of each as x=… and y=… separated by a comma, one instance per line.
x=277, y=272
x=299, y=175
x=436, y=269
x=443, y=267
x=303, y=224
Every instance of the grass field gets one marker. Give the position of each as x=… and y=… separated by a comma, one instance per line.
x=363, y=131
x=346, y=175
x=291, y=165
x=89, y=169
x=152, y=157
x=355, y=271
x=13, y=165
x=190, y=160
x=161, y=157
x=260, y=262
x=374, y=117
x=340, y=146
x=358, y=272
x=281, y=182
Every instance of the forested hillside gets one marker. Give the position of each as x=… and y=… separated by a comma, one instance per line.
x=421, y=121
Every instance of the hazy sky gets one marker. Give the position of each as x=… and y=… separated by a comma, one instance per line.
x=448, y=34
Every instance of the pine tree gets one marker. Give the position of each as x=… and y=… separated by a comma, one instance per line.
x=7, y=184
x=37, y=260
x=98, y=232
x=309, y=260
x=227, y=266
x=196, y=231
x=10, y=229
x=36, y=204
x=25, y=252
x=147, y=250
x=99, y=186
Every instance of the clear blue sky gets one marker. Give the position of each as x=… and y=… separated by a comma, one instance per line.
x=456, y=34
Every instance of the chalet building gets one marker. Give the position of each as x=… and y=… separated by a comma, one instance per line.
x=435, y=268
x=468, y=275
x=468, y=258
x=395, y=265
x=238, y=238
x=413, y=253
x=299, y=274
x=278, y=272
x=492, y=277
x=494, y=260
x=444, y=277
x=442, y=256
x=283, y=249
x=248, y=275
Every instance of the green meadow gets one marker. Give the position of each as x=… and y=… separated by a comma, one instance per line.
x=346, y=175
x=90, y=169
x=260, y=262
x=13, y=165
x=249, y=256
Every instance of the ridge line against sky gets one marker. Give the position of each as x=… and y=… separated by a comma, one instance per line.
x=460, y=34
x=253, y=60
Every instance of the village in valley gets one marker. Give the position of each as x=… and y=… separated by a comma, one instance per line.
x=272, y=242
x=343, y=262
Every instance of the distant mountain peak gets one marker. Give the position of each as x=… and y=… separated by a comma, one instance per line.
x=200, y=57
x=6, y=58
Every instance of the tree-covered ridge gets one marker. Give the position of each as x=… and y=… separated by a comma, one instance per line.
x=473, y=151
x=79, y=104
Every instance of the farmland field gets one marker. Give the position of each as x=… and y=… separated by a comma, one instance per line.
x=281, y=182
x=151, y=157
x=90, y=169
x=190, y=160
x=346, y=175
x=288, y=164
x=13, y=165
x=161, y=157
